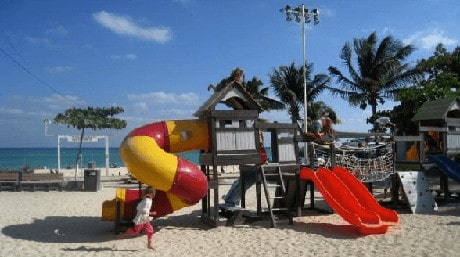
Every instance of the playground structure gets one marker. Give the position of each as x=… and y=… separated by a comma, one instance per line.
x=230, y=137
x=147, y=153
x=437, y=144
x=439, y=140
x=351, y=200
x=369, y=156
x=225, y=137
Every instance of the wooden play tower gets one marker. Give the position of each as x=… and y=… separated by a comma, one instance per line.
x=234, y=140
x=235, y=136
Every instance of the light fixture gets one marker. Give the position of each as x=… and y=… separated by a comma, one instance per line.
x=302, y=15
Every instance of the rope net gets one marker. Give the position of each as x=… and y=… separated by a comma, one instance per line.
x=368, y=164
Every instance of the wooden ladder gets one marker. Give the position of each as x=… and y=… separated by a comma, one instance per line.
x=273, y=179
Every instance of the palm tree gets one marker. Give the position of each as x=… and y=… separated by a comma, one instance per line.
x=380, y=71
x=261, y=95
x=287, y=82
x=320, y=109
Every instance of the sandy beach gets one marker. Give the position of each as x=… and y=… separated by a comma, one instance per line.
x=69, y=224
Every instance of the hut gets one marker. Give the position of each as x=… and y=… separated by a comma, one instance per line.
x=439, y=123
x=439, y=120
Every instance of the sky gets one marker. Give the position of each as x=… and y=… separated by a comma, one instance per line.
x=156, y=58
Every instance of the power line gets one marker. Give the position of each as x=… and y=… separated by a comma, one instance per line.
x=35, y=77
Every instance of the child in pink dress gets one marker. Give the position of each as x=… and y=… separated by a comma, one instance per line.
x=142, y=219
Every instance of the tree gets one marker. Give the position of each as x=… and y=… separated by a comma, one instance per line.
x=235, y=77
x=260, y=94
x=320, y=109
x=442, y=71
x=377, y=73
x=441, y=79
x=324, y=116
x=287, y=82
x=95, y=118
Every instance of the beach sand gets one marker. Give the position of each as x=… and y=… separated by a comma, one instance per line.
x=69, y=224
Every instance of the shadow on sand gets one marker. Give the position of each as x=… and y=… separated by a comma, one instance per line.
x=328, y=230
x=60, y=229
x=188, y=221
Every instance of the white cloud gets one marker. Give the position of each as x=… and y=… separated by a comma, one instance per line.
x=39, y=104
x=161, y=98
x=14, y=111
x=155, y=106
x=275, y=115
x=387, y=31
x=142, y=106
x=326, y=12
x=57, y=31
x=59, y=69
x=130, y=57
x=39, y=41
x=62, y=102
x=430, y=38
x=122, y=25
x=30, y=111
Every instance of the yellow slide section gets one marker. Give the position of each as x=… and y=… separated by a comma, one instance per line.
x=148, y=154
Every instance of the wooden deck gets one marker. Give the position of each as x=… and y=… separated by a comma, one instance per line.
x=9, y=180
x=41, y=181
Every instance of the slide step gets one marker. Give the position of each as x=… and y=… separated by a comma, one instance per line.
x=280, y=209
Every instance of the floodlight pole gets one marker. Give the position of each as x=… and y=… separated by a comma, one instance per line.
x=305, y=107
x=303, y=16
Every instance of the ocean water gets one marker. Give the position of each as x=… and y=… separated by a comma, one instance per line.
x=16, y=158
x=47, y=158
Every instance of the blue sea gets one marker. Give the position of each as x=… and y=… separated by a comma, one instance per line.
x=39, y=158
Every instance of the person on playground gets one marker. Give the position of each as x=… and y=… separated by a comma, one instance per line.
x=233, y=196
x=142, y=220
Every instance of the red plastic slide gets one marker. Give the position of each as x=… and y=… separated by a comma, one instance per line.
x=346, y=201
x=364, y=197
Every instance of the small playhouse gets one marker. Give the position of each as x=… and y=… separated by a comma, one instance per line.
x=234, y=140
x=439, y=122
x=439, y=125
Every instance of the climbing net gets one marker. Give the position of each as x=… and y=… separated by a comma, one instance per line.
x=368, y=164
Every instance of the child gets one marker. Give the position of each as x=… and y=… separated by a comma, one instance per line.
x=142, y=219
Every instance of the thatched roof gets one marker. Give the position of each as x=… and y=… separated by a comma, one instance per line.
x=232, y=95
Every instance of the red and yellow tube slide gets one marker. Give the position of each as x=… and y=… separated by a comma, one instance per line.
x=148, y=151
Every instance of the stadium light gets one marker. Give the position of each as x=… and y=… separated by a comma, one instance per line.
x=303, y=15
